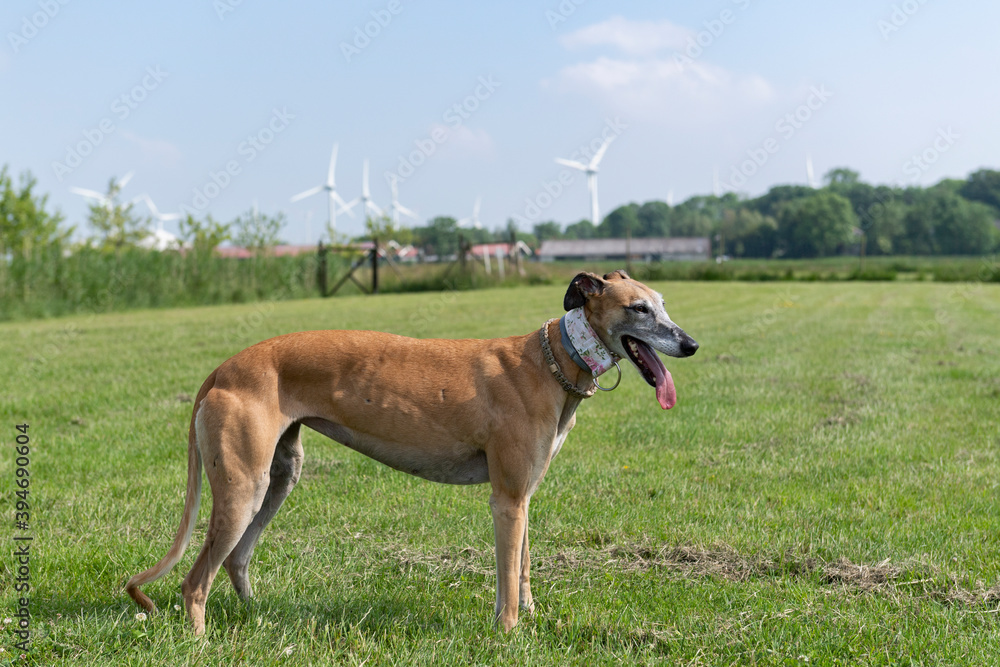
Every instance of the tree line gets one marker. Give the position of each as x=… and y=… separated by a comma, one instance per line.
x=952, y=217
x=845, y=215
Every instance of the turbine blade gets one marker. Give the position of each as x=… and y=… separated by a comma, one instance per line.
x=405, y=211
x=308, y=193
x=125, y=179
x=337, y=199
x=572, y=163
x=93, y=194
x=150, y=205
x=346, y=208
x=594, y=161
x=333, y=165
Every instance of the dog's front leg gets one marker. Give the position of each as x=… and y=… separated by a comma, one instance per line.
x=509, y=521
x=524, y=589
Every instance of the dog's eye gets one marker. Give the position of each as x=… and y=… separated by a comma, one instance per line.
x=641, y=308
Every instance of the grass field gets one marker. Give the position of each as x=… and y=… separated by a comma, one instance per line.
x=825, y=492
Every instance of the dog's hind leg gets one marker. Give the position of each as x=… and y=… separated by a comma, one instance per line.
x=237, y=447
x=285, y=470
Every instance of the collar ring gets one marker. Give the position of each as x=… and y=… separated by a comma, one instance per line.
x=615, y=386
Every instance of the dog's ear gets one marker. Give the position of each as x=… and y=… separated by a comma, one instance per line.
x=584, y=286
x=618, y=274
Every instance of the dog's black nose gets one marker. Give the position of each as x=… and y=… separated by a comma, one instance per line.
x=689, y=346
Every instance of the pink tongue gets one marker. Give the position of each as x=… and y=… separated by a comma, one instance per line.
x=666, y=394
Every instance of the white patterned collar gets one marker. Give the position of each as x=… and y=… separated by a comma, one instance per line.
x=584, y=345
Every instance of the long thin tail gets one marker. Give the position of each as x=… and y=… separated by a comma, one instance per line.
x=191, y=503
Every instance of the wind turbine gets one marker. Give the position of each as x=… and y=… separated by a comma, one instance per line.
x=367, y=205
x=160, y=239
x=474, y=220
x=105, y=199
x=396, y=208
x=160, y=217
x=333, y=198
x=591, y=170
x=809, y=172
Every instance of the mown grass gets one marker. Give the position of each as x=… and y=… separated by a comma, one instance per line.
x=825, y=491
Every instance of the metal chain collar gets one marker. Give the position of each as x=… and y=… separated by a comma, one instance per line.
x=550, y=359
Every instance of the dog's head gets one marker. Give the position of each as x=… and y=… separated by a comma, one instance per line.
x=631, y=320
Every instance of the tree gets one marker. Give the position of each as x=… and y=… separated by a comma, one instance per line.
x=882, y=224
x=622, y=219
x=686, y=220
x=816, y=226
x=942, y=222
x=918, y=227
x=580, y=230
x=983, y=186
x=115, y=222
x=257, y=232
x=748, y=233
x=654, y=219
x=768, y=204
x=966, y=227
x=711, y=207
x=440, y=236
x=25, y=226
x=204, y=236
x=384, y=229
x=841, y=176
x=547, y=230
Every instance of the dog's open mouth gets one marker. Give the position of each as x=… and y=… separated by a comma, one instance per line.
x=652, y=369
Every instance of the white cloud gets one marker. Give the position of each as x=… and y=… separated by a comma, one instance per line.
x=653, y=77
x=634, y=38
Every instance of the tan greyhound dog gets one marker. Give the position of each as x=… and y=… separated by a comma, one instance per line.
x=452, y=411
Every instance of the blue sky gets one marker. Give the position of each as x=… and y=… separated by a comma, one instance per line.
x=903, y=91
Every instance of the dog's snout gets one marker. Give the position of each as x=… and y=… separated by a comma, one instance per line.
x=688, y=345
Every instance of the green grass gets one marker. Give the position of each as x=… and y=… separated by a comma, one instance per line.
x=826, y=489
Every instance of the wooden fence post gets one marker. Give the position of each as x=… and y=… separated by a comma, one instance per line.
x=375, y=266
x=321, y=269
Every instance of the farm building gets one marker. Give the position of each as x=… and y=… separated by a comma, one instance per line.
x=643, y=249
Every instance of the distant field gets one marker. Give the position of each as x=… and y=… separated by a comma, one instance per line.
x=826, y=491
x=96, y=282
